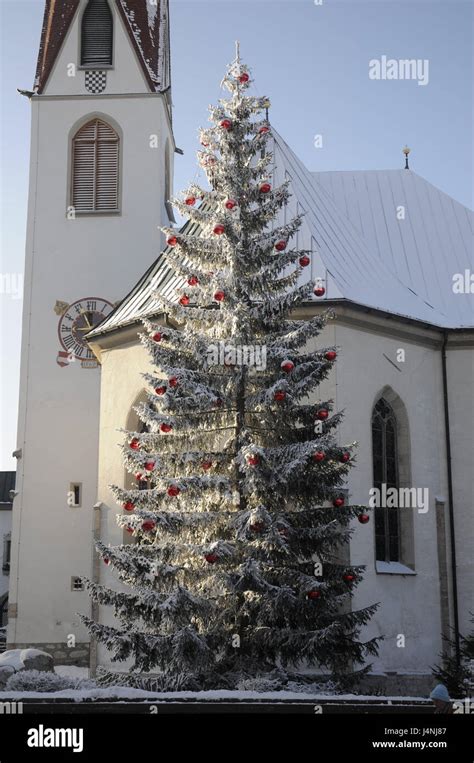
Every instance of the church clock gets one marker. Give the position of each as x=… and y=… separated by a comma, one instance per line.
x=75, y=322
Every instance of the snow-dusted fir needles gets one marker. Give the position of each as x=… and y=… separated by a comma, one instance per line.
x=238, y=522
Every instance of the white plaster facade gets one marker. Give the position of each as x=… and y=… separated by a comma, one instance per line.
x=93, y=255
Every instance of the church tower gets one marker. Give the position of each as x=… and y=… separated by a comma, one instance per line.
x=101, y=165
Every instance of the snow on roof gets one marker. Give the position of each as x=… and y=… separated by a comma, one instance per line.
x=146, y=26
x=362, y=251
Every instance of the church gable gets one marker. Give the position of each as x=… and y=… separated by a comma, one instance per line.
x=99, y=46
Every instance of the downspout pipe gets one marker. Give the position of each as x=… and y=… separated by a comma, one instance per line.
x=452, y=534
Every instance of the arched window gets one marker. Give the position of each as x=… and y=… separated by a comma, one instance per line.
x=95, y=168
x=97, y=35
x=385, y=465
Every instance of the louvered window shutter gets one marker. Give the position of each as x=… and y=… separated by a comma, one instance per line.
x=97, y=35
x=95, y=175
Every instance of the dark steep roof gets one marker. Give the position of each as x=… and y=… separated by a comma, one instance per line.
x=147, y=26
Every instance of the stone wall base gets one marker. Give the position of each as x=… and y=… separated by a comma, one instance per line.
x=77, y=655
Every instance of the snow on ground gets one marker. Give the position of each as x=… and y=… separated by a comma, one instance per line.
x=125, y=693
x=15, y=658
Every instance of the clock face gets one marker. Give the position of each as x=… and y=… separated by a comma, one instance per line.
x=77, y=320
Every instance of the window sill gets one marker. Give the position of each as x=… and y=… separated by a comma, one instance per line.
x=96, y=213
x=95, y=67
x=393, y=568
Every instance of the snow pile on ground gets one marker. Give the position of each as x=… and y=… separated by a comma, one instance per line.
x=19, y=659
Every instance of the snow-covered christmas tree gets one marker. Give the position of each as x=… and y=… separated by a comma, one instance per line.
x=235, y=570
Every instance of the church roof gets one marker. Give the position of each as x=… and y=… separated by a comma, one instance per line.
x=364, y=253
x=146, y=25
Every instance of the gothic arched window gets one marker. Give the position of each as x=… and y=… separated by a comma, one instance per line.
x=385, y=466
x=97, y=35
x=95, y=168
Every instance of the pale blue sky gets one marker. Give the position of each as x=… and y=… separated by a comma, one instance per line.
x=312, y=61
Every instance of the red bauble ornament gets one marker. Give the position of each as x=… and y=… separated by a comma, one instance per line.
x=129, y=529
x=363, y=518
x=263, y=130
x=279, y=395
x=314, y=595
x=348, y=578
x=106, y=561
x=219, y=296
x=165, y=427
x=244, y=77
x=230, y=204
x=219, y=229
x=173, y=381
x=184, y=300
x=172, y=241
x=304, y=261
x=193, y=281
x=160, y=390
x=265, y=188
x=149, y=466
x=226, y=124
x=206, y=465
x=135, y=444
x=253, y=460
x=158, y=336
x=319, y=456
x=322, y=414
x=129, y=506
x=320, y=291
x=173, y=491
x=331, y=355
x=338, y=502
x=287, y=366
x=345, y=458
x=190, y=201
x=148, y=525
x=211, y=558
x=280, y=245
x=257, y=527
x=139, y=477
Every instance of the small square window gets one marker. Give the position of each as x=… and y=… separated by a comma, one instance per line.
x=77, y=584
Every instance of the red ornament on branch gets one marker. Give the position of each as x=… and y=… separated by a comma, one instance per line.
x=280, y=246
x=160, y=390
x=219, y=229
x=279, y=395
x=363, y=518
x=257, y=527
x=173, y=491
x=172, y=241
x=263, y=130
x=211, y=558
x=139, y=477
x=345, y=458
x=190, y=201
x=193, y=281
x=226, y=124
x=148, y=525
x=149, y=466
x=253, y=460
x=173, y=381
x=338, y=502
x=287, y=366
x=348, y=578
x=330, y=355
x=129, y=529
x=322, y=414
x=106, y=561
x=320, y=291
x=165, y=427
x=184, y=300
x=244, y=77
x=219, y=296
x=230, y=204
x=319, y=456
x=265, y=188
x=129, y=506
x=135, y=444
x=158, y=336
x=304, y=261
x=206, y=465
x=314, y=595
